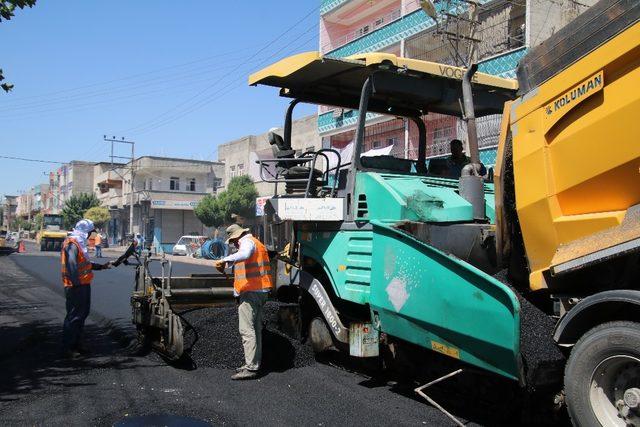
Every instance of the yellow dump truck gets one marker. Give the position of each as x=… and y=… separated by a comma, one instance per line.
x=568, y=203
x=51, y=234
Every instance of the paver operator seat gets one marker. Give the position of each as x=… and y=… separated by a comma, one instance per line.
x=296, y=174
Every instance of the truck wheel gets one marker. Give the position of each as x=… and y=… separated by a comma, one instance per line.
x=602, y=376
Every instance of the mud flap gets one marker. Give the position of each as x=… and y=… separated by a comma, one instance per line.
x=288, y=275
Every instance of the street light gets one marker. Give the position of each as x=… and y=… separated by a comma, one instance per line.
x=429, y=8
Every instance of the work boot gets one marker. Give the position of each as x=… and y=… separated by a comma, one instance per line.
x=241, y=368
x=245, y=374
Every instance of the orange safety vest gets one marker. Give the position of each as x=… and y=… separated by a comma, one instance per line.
x=98, y=239
x=254, y=273
x=84, y=265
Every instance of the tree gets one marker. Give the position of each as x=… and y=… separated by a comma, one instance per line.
x=37, y=221
x=208, y=212
x=7, y=7
x=99, y=215
x=239, y=198
x=75, y=208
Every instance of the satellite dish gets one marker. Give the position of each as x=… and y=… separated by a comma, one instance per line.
x=429, y=9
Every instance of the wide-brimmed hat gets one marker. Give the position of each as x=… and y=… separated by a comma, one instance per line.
x=234, y=231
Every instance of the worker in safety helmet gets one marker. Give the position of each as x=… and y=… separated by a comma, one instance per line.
x=252, y=283
x=459, y=160
x=76, y=277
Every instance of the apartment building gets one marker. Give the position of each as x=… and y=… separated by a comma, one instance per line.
x=9, y=210
x=73, y=178
x=501, y=34
x=165, y=193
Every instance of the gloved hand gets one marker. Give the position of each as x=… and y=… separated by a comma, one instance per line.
x=106, y=266
x=220, y=265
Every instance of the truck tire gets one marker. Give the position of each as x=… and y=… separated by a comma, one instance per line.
x=602, y=376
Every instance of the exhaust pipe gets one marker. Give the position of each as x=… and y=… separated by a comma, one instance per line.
x=471, y=185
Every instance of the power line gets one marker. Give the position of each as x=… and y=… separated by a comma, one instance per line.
x=233, y=85
x=23, y=159
x=194, y=97
x=133, y=76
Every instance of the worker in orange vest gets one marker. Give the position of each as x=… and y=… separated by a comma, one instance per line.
x=76, y=276
x=98, y=244
x=252, y=283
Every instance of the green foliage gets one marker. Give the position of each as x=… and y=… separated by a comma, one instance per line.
x=208, y=212
x=7, y=8
x=239, y=198
x=75, y=208
x=20, y=224
x=37, y=221
x=99, y=215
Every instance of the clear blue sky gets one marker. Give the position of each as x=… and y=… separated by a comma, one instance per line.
x=180, y=72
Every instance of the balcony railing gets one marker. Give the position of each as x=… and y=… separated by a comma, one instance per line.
x=329, y=5
x=373, y=25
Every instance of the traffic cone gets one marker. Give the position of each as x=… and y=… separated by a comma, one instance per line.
x=21, y=248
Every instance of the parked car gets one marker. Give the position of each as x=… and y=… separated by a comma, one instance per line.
x=187, y=245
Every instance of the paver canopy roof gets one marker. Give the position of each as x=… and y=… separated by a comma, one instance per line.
x=403, y=87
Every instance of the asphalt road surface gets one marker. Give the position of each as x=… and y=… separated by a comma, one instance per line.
x=114, y=387
x=111, y=289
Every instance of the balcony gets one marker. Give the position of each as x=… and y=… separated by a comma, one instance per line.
x=330, y=5
x=503, y=65
x=386, y=35
x=362, y=30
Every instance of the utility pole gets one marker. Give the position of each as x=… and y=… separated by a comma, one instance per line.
x=113, y=140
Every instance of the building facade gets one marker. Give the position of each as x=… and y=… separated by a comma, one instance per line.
x=73, y=178
x=495, y=35
x=9, y=211
x=165, y=193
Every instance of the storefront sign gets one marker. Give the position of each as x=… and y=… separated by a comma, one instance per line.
x=174, y=204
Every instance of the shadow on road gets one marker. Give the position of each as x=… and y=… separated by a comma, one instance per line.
x=32, y=361
x=473, y=396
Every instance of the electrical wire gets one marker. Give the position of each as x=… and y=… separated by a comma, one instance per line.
x=196, y=96
x=218, y=94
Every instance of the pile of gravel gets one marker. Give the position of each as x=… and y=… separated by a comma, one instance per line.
x=219, y=345
x=544, y=362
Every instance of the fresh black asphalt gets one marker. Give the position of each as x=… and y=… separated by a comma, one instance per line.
x=113, y=387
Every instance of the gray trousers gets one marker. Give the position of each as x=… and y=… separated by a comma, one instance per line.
x=78, y=306
x=250, y=309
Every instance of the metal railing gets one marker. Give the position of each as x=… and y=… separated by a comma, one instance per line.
x=305, y=158
x=364, y=30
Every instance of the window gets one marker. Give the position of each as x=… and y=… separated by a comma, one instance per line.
x=392, y=141
x=240, y=169
x=232, y=171
x=150, y=186
x=191, y=185
x=174, y=183
x=217, y=183
x=376, y=144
